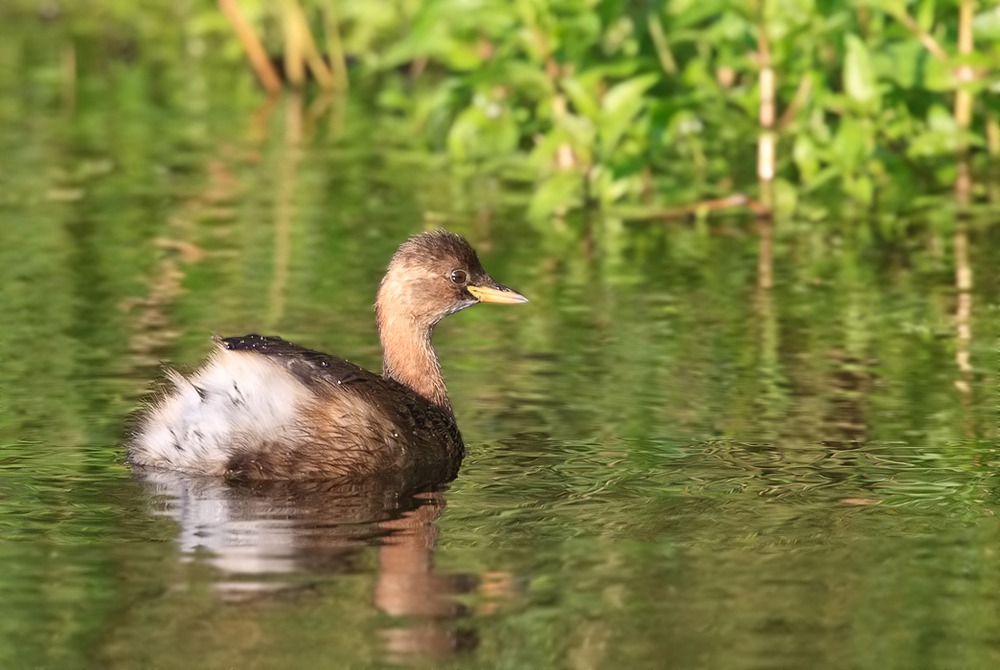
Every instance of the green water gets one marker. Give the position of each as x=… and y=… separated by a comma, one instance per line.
x=668, y=466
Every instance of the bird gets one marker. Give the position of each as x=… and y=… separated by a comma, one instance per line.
x=263, y=408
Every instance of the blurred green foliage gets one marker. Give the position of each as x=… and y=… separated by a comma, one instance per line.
x=610, y=102
x=589, y=98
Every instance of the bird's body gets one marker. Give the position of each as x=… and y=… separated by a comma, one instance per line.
x=263, y=408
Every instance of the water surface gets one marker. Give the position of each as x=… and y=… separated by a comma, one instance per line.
x=668, y=466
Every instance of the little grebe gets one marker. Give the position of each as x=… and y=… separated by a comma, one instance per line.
x=264, y=408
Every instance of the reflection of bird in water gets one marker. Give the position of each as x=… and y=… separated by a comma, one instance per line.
x=278, y=527
x=263, y=536
x=263, y=408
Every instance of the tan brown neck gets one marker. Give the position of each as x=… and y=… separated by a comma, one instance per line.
x=409, y=358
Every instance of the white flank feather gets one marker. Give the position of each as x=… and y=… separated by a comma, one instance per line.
x=237, y=398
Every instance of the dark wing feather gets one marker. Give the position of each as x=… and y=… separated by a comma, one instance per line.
x=419, y=423
x=310, y=367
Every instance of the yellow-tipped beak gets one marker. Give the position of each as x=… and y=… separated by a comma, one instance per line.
x=498, y=293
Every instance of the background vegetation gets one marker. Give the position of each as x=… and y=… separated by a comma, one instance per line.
x=639, y=108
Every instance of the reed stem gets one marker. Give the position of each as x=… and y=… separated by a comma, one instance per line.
x=766, y=79
x=964, y=101
x=259, y=61
x=335, y=46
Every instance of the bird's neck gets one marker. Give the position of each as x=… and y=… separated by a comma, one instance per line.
x=409, y=358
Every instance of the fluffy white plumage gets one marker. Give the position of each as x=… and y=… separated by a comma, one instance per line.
x=234, y=398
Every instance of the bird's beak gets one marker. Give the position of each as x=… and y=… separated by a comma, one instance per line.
x=496, y=293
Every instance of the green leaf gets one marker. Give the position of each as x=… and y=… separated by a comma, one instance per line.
x=482, y=131
x=859, y=76
x=942, y=136
x=804, y=155
x=580, y=97
x=902, y=63
x=786, y=197
x=685, y=13
x=624, y=96
x=986, y=25
x=852, y=145
x=860, y=188
x=619, y=106
x=527, y=80
x=561, y=191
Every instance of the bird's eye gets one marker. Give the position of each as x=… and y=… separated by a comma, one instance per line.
x=459, y=276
